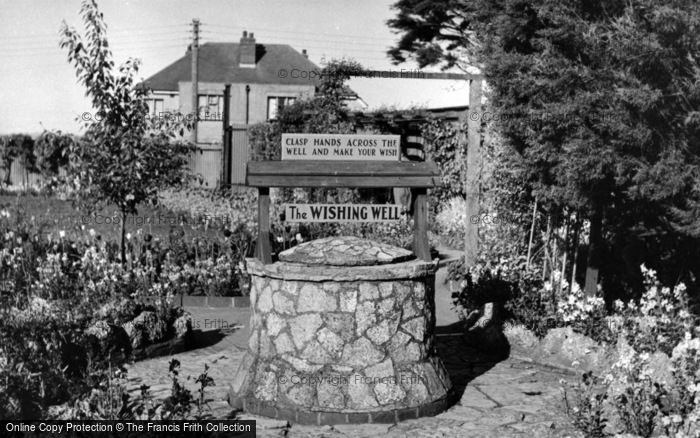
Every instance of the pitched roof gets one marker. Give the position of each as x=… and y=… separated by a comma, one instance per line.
x=219, y=63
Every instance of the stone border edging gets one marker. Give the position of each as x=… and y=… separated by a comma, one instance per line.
x=319, y=418
x=208, y=301
x=214, y=301
x=561, y=368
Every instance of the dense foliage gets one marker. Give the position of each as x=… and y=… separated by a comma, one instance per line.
x=446, y=146
x=599, y=102
x=52, y=149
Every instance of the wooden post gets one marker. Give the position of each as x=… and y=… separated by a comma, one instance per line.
x=532, y=234
x=471, y=240
x=225, y=179
x=421, y=246
x=263, y=252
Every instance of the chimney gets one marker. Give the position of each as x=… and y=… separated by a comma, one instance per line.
x=247, y=50
x=303, y=52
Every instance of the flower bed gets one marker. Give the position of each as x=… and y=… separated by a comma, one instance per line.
x=646, y=382
x=69, y=308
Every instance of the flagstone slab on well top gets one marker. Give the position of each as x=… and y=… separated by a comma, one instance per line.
x=342, y=331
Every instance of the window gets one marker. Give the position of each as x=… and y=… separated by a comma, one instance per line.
x=155, y=106
x=210, y=106
x=274, y=104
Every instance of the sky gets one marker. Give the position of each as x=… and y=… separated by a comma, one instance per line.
x=39, y=88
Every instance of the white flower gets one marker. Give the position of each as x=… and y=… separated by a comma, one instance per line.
x=91, y=232
x=61, y=234
x=129, y=197
x=128, y=236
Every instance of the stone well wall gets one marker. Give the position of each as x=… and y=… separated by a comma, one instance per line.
x=335, y=344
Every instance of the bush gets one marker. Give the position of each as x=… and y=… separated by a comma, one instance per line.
x=509, y=283
x=661, y=318
x=586, y=315
x=447, y=147
x=52, y=150
x=451, y=222
x=645, y=402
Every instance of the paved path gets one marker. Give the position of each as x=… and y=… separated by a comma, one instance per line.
x=224, y=332
x=509, y=398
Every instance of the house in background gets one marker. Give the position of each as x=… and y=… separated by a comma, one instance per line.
x=263, y=79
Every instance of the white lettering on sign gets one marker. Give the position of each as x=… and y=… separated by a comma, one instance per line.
x=355, y=147
x=342, y=212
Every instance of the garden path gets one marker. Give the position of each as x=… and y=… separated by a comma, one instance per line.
x=510, y=398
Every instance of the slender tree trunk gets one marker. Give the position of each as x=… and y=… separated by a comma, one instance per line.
x=562, y=276
x=546, y=247
x=577, y=232
x=554, y=256
x=594, y=247
x=532, y=234
x=8, y=171
x=123, y=238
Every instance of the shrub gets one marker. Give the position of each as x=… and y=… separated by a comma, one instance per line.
x=661, y=318
x=643, y=403
x=507, y=282
x=42, y=358
x=451, y=222
x=447, y=147
x=586, y=315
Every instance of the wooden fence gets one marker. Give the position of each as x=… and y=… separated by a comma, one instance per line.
x=20, y=177
x=208, y=161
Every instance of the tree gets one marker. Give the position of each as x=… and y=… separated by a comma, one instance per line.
x=600, y=100
x=125, y=157
x=434, y=32
x=17, y=147
x=52, y=151
x=24, y=144
x=8, y=154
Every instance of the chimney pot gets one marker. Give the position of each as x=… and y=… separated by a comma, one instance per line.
x=247, y=50
x=303, y=52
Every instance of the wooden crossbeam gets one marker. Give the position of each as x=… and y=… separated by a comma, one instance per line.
x=415, y=74
x=414, y=174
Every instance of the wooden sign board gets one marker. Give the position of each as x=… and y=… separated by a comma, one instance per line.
x=342, y=212
x=341, y=147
